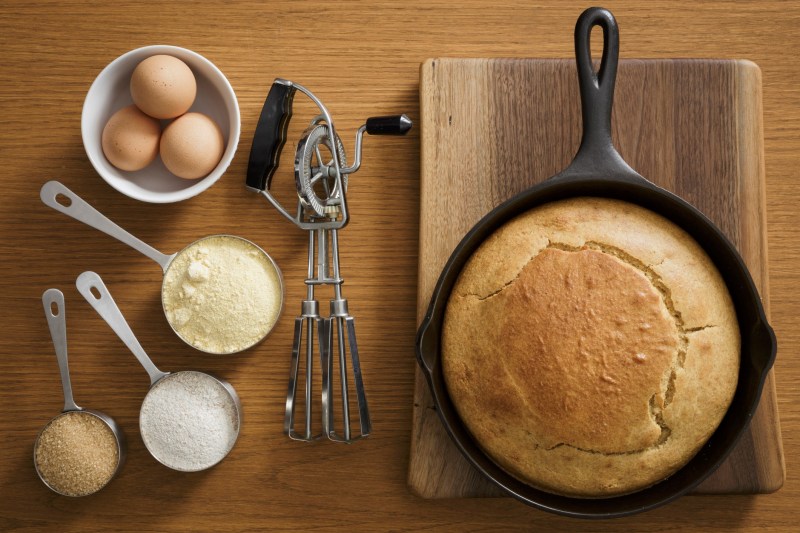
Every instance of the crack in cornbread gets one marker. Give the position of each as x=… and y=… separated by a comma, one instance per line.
x=590, y=346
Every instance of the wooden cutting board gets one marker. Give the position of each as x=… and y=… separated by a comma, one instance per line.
x=494, y=127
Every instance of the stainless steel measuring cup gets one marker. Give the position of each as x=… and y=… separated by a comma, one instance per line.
x=183, y=432
x=55, y=311
x=60, y=198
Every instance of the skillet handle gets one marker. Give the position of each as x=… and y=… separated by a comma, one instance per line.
x=597, y=154
x=763, y=342
x=427, y=345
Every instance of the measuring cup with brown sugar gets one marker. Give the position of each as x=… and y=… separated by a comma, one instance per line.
x=221, y=294
x=81, y=450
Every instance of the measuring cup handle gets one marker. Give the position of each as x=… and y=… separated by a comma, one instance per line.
x=91, y=286
x=55, y=311
x=80, y=210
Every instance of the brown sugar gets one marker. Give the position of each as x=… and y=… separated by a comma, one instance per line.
x=76, y=454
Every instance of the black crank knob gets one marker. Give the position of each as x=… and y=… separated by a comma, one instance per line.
x=391, y=125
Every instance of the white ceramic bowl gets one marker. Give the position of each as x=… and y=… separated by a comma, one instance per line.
x=111, y=92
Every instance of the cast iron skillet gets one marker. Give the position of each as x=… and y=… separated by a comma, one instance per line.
x=598, y=170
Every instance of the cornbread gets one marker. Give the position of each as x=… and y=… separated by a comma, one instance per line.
x=591, y=347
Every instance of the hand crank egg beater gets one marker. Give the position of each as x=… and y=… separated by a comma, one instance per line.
x=321, y=175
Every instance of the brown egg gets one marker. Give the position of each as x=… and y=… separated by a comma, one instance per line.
x=130, y=139
x=163, y=86
x=191, y=146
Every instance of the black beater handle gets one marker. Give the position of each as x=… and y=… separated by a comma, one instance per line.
x=270, y=136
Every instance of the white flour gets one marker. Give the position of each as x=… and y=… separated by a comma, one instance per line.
x=189, y=421
x=222, y=294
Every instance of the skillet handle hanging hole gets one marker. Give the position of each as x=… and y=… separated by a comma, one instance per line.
x=597, y=88
x=54, y=310
x=597, y=16
x=95, y=292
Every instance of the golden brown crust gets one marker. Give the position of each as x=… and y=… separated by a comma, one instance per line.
x=591, y=347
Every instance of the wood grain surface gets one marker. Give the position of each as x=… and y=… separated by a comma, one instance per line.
x=362, y=59
x=521, y=121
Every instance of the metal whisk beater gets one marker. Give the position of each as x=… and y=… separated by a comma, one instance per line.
x=321, y=210
x=338, y=327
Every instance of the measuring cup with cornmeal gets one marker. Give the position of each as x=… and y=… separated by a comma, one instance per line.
x=221, y=294
x=79, y=451
x=189, y=420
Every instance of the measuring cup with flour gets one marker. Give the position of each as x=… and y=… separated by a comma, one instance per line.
x=81, y=450
x=221, y=294
x=189, y=420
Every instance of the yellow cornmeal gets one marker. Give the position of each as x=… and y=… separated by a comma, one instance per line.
x=222, y=294
x=76, y=454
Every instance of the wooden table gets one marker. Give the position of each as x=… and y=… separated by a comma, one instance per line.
x=51, y=52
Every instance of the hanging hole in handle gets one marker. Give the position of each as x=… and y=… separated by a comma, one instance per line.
x=63, y=200
x=596, y=48
x=54, y=311
x=94, y=291
x=603, y=79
